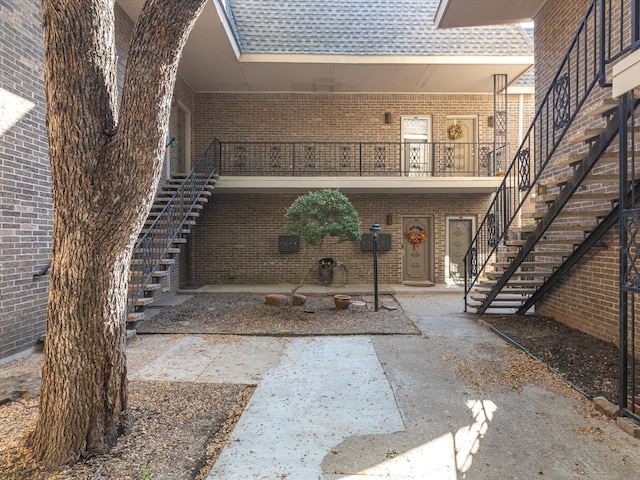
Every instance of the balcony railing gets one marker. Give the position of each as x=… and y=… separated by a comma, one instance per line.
x=428, y=159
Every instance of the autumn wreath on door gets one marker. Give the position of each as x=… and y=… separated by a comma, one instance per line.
x=455, y=131
x=416, y=235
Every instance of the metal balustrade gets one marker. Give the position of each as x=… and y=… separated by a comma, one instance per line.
x=150, y=253
x=434, y=159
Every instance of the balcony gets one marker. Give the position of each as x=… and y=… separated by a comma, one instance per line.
x=434, y=167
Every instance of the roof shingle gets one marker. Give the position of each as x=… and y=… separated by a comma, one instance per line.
x=364, y=27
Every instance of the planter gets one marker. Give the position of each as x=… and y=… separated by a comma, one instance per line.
x=342, y=301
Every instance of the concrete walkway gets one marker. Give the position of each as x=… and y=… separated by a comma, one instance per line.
x=391, y=407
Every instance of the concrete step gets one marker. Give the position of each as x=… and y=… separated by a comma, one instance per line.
x=562, y=180
x=533, y=264
x=513, y=282
x=581, y=197
x=519, y=274
x=575, y=214
x=604, y=106
x=165, y=261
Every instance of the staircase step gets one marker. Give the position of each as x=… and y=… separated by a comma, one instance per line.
x=516, y=300
x=501, y=305
x=575, y=214
x=164, y=261
x=581, y=197
x=591, y=179
x=149, y=287
x=569, y=160
x=507, y=289
x=518, y=274
x=133, y=318
x=601, y=107
x=156, y=214
x=570, y=228
x=533, y=264
x=542, y=242
x=163, y=224
x=144, y=301
x=590, y=134
x=514, y=282
x=184, y=231
x=555, y=227
x=163, y=197
x=585, y=135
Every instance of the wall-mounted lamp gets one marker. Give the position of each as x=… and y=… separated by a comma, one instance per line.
x=387, y=117
x=172, y=143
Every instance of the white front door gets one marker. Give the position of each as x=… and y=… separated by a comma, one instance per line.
x=416, y=149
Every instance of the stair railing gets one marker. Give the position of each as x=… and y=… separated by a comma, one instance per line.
x=574, y=80
x=154, y=245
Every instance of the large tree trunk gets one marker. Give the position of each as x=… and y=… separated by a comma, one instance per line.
x=104, y=175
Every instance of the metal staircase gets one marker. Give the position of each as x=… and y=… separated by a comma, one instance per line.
x=551, y=210
x=572, y=213
x=175, y=210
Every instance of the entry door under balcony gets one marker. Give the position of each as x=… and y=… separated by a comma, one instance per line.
x=459, y=235
x=418, y=252
x=416, y=154
x=460, y=155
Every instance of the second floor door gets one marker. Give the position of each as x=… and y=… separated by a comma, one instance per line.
x=461, y=148
x=416, y=147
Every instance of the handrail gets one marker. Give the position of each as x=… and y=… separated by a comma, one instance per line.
x=154, y=245
x=574, y=80
x=309, y=158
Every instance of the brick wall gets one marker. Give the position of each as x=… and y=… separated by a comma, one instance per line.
x=222, y=254
x=294, y=117
x=236, y=238
x=25, y=187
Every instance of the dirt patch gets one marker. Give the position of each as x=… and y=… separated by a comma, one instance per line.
x=177, y=432
x=588, y=363
x=250, y=315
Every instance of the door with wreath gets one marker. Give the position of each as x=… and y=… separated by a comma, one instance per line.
x=417, y=249
x=461, y=148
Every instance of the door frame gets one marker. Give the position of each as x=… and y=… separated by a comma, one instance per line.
x=429, y=141
x=429, y=250
x=476, y=134
x=448, y=218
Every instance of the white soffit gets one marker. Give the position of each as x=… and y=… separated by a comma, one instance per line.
x=469, y=13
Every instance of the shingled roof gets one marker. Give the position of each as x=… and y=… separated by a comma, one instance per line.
x=363, y=27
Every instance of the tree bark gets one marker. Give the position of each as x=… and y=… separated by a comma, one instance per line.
x=104, y=175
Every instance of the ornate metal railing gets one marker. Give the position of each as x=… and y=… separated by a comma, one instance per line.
x=436, y=159
x=584, y=65
x=629, y=238
x=153, y=246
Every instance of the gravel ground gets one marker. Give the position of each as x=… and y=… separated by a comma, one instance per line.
x=178, y=429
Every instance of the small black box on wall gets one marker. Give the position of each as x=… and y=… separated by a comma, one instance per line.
x=384, y=242
x=288, y=243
